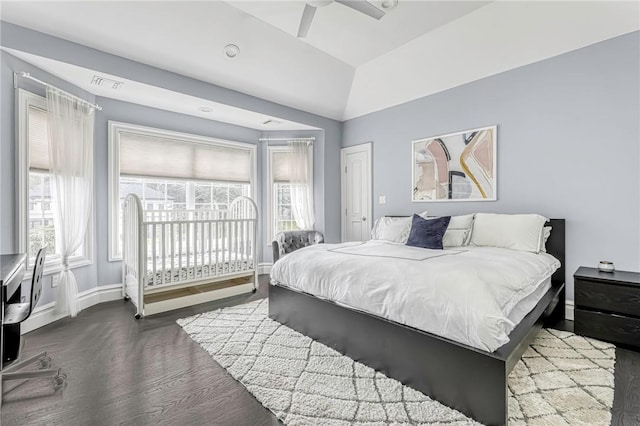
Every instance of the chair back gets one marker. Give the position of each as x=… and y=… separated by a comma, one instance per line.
x=36, y=279
x=288, y=241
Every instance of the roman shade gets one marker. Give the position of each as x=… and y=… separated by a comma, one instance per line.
x=156, y=156
x=280, y=168
x=38, y=139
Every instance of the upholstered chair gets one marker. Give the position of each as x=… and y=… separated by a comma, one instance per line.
x=286, y=242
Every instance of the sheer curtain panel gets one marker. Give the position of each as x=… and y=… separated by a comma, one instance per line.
x=301, y=178
x=71, y=169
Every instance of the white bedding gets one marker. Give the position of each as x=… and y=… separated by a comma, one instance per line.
x=466, y=294
x=525, y=306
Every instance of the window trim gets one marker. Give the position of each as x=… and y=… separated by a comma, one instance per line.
x=52, y=265
x=271, y=216
x=115, y=128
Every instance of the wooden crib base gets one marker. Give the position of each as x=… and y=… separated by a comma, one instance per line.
x=163, y=301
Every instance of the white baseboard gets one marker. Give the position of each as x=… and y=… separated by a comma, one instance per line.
x=45, y=314
x=568, y=312
x=264, y=268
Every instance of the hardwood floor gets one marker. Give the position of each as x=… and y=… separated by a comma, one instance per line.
x=123, y=371
x=626, y=402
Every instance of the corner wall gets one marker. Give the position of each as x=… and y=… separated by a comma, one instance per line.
x=102, y=272
x=113, y=110
x=568, y=147
x=319, y=176
x=20, y=38
x=87, y=275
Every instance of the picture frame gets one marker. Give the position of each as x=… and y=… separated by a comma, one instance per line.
x=460, y=166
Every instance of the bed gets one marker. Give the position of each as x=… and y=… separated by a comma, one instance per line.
x=468, y=375
x=173, y=259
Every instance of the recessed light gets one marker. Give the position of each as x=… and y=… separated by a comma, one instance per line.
x=389, y=4
x=231, y=51
x=205, y=109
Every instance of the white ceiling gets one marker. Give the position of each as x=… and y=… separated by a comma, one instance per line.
x=501, y=36
x=350, y=64
x=353, y=37
x=188, y=38
x=156, y=97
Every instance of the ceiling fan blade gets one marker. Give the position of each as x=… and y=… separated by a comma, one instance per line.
x=305, y=22
x=363, y=6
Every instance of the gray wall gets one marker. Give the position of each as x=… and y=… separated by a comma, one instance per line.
x=87, y=275
x=20, y=38
x=551, y=118
x=319, y=176
x=103, y=272
x=109, y=272
x=568, y=146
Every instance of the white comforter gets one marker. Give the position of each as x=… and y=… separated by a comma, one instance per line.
x=465, y=294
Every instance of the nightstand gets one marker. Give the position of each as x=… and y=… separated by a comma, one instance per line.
x=607, y=305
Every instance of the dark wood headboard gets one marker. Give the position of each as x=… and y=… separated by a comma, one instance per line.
x=555, y=246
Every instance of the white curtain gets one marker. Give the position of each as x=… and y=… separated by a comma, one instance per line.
x=70, y=123
x=301, y=178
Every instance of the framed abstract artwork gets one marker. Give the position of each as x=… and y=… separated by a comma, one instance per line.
x=455, y=167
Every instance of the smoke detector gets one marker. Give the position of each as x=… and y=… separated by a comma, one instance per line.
x=231, y=51
x=106, y=82
x=389, y=4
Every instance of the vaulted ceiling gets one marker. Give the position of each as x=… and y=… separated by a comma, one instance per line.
x=349, y=64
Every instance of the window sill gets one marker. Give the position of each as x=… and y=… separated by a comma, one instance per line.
x=55, y=267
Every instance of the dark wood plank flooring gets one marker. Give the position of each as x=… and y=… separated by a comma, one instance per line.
x=124, y=371
x=626, y=402
x=127, y=372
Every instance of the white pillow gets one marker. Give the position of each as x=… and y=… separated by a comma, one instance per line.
x=395, y=229
x=546, y=232
x=513, y=231
x=458, y=232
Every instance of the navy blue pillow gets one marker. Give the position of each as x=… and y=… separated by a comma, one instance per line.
x=428, y=233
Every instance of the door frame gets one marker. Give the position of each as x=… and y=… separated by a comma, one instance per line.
x=367, y=147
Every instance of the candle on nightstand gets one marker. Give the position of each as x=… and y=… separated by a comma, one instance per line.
x=606, y=266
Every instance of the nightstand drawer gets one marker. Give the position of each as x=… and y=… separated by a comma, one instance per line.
x=607, y=297
x=612, y=328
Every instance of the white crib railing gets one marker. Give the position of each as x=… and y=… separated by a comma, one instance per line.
x=165, y=249
x=182, y=215
x=131, y=248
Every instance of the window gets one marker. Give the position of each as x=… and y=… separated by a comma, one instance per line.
x=283, y=215
x=37, y=203
x=168, y=194
x=280, y=190
x=187, y=172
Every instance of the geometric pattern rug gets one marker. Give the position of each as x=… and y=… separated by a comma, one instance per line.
x=562, y=379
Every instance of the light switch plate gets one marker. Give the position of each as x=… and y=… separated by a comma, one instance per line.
x=382, y=199
x=55, y=280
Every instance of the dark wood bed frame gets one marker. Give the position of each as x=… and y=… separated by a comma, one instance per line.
x=470, y=380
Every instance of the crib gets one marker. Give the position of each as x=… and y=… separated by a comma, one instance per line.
x=177, y=258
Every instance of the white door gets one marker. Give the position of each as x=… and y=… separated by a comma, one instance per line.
x=355, y=163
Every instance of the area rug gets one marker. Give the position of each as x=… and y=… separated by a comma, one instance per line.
x=562, y=378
